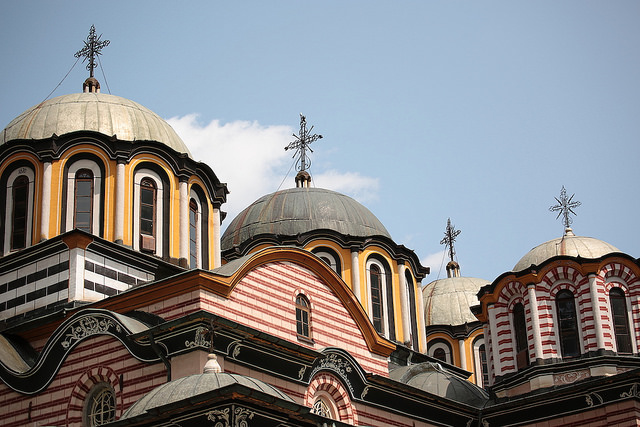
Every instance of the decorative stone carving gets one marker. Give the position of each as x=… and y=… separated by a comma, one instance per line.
x=85, y=327
x=199, y=340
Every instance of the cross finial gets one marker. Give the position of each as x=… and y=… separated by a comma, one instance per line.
x=301, y=144
x=450, y=238
x=565, y=207
x=92, y=47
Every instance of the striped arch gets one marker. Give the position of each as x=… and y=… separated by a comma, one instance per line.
x=511, y=291
x=327, y=385
x=83, y=386
x=564, y=274
x=618, y=270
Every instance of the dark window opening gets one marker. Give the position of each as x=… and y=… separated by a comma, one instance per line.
x=375, y=276
x=520, y=329
x=567, y=324
x=83, y=209
x=620, y=320
x=19, y=214
x=303, y=317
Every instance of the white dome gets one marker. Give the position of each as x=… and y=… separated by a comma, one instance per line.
x=568, y=245
x=448, y=301
x=107, y=114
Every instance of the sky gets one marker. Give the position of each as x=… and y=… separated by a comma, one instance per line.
x=475, y=111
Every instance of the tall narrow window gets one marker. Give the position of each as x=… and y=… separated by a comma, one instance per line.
x=567, y=324
x=20, y=196
x=193, y=234
x=375, y=276
x=620, y=320
x=303, y=317
x=520, y=330
x=484, y=369
x=147, y=215
x=83, y=210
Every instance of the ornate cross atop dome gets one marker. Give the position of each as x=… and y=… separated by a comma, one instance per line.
x=565, y=207
x=449, y=238
x=92, y=48
x=301, y=144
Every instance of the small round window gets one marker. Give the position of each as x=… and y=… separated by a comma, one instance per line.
x=100, y=405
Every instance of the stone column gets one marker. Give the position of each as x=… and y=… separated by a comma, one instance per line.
x=493, y=330
x=184, y=223
x=404, y=303
x=597, y=318
x=422, y=333
x=119, y=207
x=355, y=274
x=217, y=255
x=45, y=205
x=463, y=354
x=535, y=321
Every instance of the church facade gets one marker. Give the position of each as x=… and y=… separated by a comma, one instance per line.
x=123, y=304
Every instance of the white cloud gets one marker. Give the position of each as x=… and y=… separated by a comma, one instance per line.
x=251, y=159
x=437, y=263
x=362, y=188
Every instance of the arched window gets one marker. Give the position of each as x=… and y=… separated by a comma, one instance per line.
x=148, y=201
x=441, y=350
x=100, y=405
x=303, y=317
x=83, y=201
x=481, y=369
x=83, y=198
x=413, y=319
x=20, y=196
x=17, y=194
x=620, y=320
x=330, y=257
x=193, y=234
x=567, y=324
x=520, y=330
x=376, y=286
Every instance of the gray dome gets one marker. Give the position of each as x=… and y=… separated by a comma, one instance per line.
x=98, y=112
x=447, y=301
x=568, y=245
x=432, y=378
x=194, y=385
x=300, y=210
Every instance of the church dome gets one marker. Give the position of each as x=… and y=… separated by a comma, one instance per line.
x=568, y=245
x=107, y=114
x=194, y=385
x=448, y=301
x=432, y=378
x=301, y=210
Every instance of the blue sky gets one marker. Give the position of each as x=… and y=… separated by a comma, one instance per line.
x=477, y=111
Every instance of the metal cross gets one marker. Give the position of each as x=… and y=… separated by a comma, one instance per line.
x=450, y=237
x=92, y=47
x=565, y=207
x=301, y=144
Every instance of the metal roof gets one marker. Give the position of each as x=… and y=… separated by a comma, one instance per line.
x=568, y=245
x=300, y=210
x=107, y=114
x=448, y=301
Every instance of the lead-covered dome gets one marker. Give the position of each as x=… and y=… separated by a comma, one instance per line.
x=195, y=385
x=568, y=245
x=301, y=210
x=107, y=114
x=448, y=301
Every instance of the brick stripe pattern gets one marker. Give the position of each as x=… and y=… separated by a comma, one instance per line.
x=35, y=285
x=324, y=382
x=104, y=277
x=100, y=358
x=613, y=274
x=265, y=299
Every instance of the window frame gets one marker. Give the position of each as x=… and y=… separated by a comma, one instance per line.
x=620, y=319
x=96, y=397
x=89, y=178
x=520, y=335
x=29, y=175
x=303, y=317
x=567, y=332
x=97, y=197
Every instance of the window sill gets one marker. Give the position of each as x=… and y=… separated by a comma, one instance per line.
x=306, y=340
